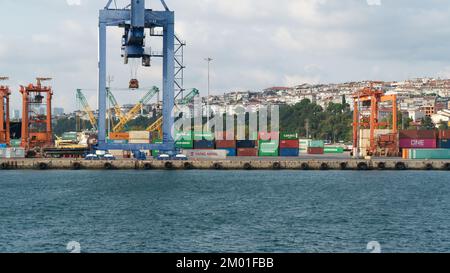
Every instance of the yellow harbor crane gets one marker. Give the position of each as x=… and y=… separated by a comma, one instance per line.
x=84, y=103
x=135, y=110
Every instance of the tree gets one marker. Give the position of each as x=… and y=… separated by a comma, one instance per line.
x=427, y=124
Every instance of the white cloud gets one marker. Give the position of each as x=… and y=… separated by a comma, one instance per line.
x=73, y=2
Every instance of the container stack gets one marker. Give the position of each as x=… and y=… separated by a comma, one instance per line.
x=246, y=148
x=118, y=138
x=268, y=144
x=426, y=144
x=223, y=143
x=316, y=147
x=289, y=145
x=184, y=140
x=304, y=145
x=203, y=141
x=415, y=139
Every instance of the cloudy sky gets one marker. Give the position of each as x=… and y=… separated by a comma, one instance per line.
x=254, y=43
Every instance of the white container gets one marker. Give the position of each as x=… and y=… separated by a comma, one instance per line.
x=139, y=135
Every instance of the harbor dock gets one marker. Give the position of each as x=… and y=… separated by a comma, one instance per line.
x=233, y=164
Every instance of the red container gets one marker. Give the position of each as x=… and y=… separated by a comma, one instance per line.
x=418, y=143
x=315, y=151
x=290, y=144
x=269, y=136
x=444, y=134
x=225, y=144
x=418, y=134
x=247, y=152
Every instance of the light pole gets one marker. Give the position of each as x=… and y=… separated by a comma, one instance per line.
x=209, y=86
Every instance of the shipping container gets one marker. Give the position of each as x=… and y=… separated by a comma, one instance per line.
x=15, y=142
x=156, y=152
x=70, y=136
x=290, y=152
x=444, y=134
x=119, y=136
x=206, y=154
x=203, y=136
x=317, y=144
x=117, y=141
x=304, y=144
x=444, y=143
x=289, y=144
x=418, y=143
x=418, y=134
x=185, y=144
x=246, y=144
x=139, y=135
x=333, y=150
x=231, y=152
x=268, y=147
x=429, y=154
x=315, y=150
x=247, y=152
x=289, y=136
x=225, y=144
x=203, y=144
x=188, y=135
x=3, y=145
x=268, y=136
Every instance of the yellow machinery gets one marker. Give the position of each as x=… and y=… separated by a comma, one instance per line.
x=135, y=110
x=84, y=103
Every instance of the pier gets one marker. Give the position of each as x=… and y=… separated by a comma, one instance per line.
x=234, y=164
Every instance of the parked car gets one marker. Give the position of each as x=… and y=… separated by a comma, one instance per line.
x=92, y=157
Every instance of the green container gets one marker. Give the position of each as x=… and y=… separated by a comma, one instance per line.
x=185, y=144
x=156, y=141
x=203, y=136
x=429, y=153
x=289, y=136
x=15, y=143
x=268, y=148
x=333, y=150
x=184, y=136
x=317, y=144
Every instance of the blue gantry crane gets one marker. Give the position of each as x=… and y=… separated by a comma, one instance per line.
x=135, y=19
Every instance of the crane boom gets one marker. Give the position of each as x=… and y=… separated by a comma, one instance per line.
x=84, y=103
x=115, y=104
x=135, y=110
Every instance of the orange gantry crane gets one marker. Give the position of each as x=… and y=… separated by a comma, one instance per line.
x=37, y=115
x=5, y=137
x=370, y=97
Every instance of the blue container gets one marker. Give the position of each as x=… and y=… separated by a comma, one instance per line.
x=288, y=152
x=203, y=144
x=2, y=145
x=444, y=143
x=246, y=144
x=230, y=151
